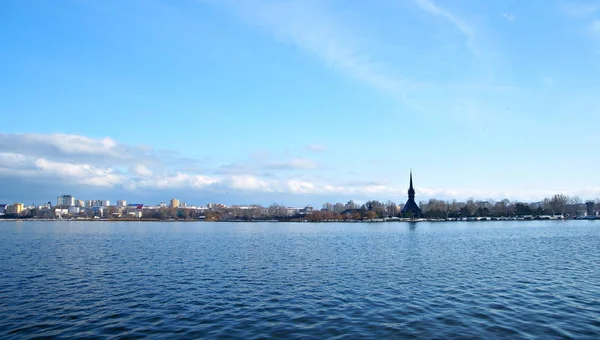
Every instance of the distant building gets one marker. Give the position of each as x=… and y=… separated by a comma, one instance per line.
x=135, y=214
x=65, y=201
x=411, y=205
x=121, y=203
x=135, y=208
x=98, y=211
x=14, y=209
x=351, y=205
x=290, y=211
x=3, y=208
x=590, y=208
x=214, y=206
x=80, y=203
x=174, y=203
x=306, y=210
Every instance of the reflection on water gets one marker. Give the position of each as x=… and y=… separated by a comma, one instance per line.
x=245, y=280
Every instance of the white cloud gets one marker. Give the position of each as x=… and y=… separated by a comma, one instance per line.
x=33, y=170
x=509, y=16
x=64, y=143
x=313, y=28
x=75, y=148
x=316, y=147
x=251, y=183
x=14, y=160
x=300, y=187
x=176, y=181
x=80, y=173
x=434, y=9
x=141, y=170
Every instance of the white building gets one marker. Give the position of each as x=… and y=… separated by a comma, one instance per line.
x=121, y=203
x=65, y=201
x=97, y=203
x=135, y=214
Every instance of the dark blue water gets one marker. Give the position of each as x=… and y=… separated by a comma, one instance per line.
x=387, y=280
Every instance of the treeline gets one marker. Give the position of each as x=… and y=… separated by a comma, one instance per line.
x=434, y=208
x=568, y=206
x=556, y=205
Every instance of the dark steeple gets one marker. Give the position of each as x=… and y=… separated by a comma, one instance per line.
x=411, y=190
x=411, y=205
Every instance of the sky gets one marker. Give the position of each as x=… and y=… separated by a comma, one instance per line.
x=298, y=102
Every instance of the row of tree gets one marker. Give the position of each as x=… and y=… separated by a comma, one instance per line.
x=433, y=208
x=556, y=205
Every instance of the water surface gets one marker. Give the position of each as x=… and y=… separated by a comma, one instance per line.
x=537, y=279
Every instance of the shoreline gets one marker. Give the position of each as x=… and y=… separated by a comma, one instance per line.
x=300, y=221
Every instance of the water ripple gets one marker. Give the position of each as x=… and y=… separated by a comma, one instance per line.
x=446, y=280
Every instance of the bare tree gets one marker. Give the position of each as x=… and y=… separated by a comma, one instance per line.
x=558, y=203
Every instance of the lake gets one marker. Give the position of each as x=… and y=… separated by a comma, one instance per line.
x=529, y=279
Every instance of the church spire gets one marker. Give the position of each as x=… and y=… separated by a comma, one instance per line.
x=411, y=190
x=411, y=206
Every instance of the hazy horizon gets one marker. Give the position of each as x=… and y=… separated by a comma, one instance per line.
x=298, y=102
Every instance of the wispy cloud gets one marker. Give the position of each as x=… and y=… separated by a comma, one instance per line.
x=548, y=81
x=434, y=9
x=586, y=12
x=595, y=29
x=261, y=165
x=141, y=170
x=321, y=31
x=316, y=148
x=83, y=149
x=509, y=16
x=582, y=9
x=293, y=164
x=314, y=28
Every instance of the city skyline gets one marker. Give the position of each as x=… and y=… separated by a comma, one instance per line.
x=68, y=200
x=298, y=102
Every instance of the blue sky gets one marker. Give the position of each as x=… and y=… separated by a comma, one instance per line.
x=298, y=101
